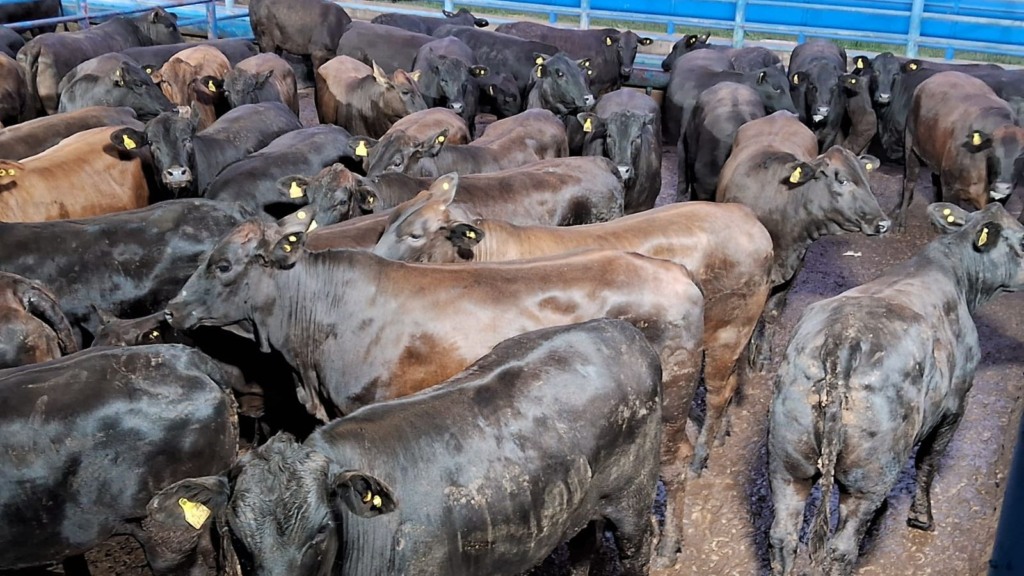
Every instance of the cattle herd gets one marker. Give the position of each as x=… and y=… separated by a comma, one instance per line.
x=446, y=330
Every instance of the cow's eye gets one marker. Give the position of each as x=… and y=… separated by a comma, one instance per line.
x=223, y=267
x=415, y=236
x=559, y=73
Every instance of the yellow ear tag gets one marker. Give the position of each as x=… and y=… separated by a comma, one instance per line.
x=368, y=496
x=490, y=89
x=295, y=191
x=129, y=144
x=869, y=166
x=540, y=69
x=361, y=149
x=371, y=199
x=149, y=70
x=950, y=218
x=10, y=172
x=588, y=126
x=440, y=139
x=3, y=172
x=287, y=247
x=154, y=334
x=195, y=513
x=607, y=40
x=795, y=176
x=301, y=214
x=860, y=64
x=293, y=238
x=796, y=79
x=539, y=60
x=586, y=63
x=470, y=234
x=976, y=139
x=312, y=226
x=377, y=502
x=445, y=185
x=946, y=212
x=853, y=80
x=912, y=66
x=590, y=72
x=984, y=236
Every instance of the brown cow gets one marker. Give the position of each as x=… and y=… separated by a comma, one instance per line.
x=799, y=196
x=32, y=137
x=364, y=100
x=419, y=126
x=185, y=79
x=13, y=91
x=359, y=329
x=723, y=245
x=32, y=327
x=82, y=176
x=260, y=78
x=963, y=132
x=529, y=136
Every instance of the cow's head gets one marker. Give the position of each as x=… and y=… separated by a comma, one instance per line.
x=838, y=192
x=771, y=85
x=400, y=96
x=563, y=84
x=226, y=289
x=821, y=88
x=464, y=17
x=240, y=86
x=159, y=27
x=152, y=329
x=453, y=82
x=334, y=194
x=400, y=152
x=425, y=229
x=131, y=86
x=623, y=135
x=990, y=243
x=169, y=137
x=625, y=45
x=1003, y=151
x=279, y=510
x=881, y=73
x=501, y=92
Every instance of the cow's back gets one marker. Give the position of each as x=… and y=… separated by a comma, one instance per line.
x=93, y=437
x=777, y=136
x=32, y=137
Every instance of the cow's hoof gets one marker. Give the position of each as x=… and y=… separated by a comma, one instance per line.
x=664, y=562
x=920, y=522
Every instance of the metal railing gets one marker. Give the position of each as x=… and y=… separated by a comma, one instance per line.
x=81, y=14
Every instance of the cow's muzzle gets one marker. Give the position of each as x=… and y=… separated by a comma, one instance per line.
x=625, y=173
x=457, y=107
x=178, y=316
x=589, y=100
x=883, y=98
x=883, y=226
x=625, y=71
x=177, y=176
x=820, y=113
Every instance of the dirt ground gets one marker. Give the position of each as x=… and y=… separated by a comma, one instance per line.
x=728, y=509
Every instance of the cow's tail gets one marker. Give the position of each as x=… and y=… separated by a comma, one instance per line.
x=838, y=356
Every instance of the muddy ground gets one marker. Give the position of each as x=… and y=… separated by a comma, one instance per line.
x=728, y=509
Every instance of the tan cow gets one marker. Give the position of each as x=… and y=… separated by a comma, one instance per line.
x=180, y=79
x=82, y=176
x=364, y=100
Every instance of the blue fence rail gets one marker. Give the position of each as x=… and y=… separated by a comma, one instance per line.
x=990, y=26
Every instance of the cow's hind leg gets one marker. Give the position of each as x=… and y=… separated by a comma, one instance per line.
x=583, y=547
x=789, y=496
x=856, y=510
x=928, y=456
x=632, y=525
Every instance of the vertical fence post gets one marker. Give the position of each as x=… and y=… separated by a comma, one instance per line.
x=449, y=5
x=914, y=34
x=584, y=14
x=211, y=19
x=82, y=9
x=739, y=23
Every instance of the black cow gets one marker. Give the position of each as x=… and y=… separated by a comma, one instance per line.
x=798, y=195
x=10, y=41
x=302, y=27
x=626, y=128
x=814, y=70
x=611, y=53
x=112, y=80
x=261, y=78
x=875, y=371
x=707, y=138
x=253, y=180
x=746, y=59
x=31, y=10
x=153, y=57
x=187, y=160
x=884, y=72
x=119, y=424
x=428, y=24
x=13, y=92
x=500, y=95
x=502, y=53
x=333, y=194
x=47, y=58
x=560, y=85
x=448, y=73
x=389, y=47
x=32, y=327
x=32, y=137
x=329, y=490
x=697, y=71
x=151, y=251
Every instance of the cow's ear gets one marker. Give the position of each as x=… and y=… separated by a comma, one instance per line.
x=290, y=244
x=645, y=41
x=704, y=37
x=861, y=62
x=478, y=71
x=608, y=40
x=584, y=63
x=119, y=73
x=432, y=147
x=851, y=81
x=443, y=189
x=689, y=40
x=947, y=217
x=798, y=78
x=10, y=171
x=591, y=123
x=987, y=237
x=465, y=236
x=869, y=162
x=213, y=84
x=379, y=75
x=190, y=502
x=360, y=146
x=762, y=77
x=481, y=22
x=977, y=141
x=448, y=14
x=128, y=139
x=911, y=65
x=294, y=187
x=363, y=494
x=262, y=77
x=798, y=173
x=415, y=75
x=365, y=199
x=150, y=68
